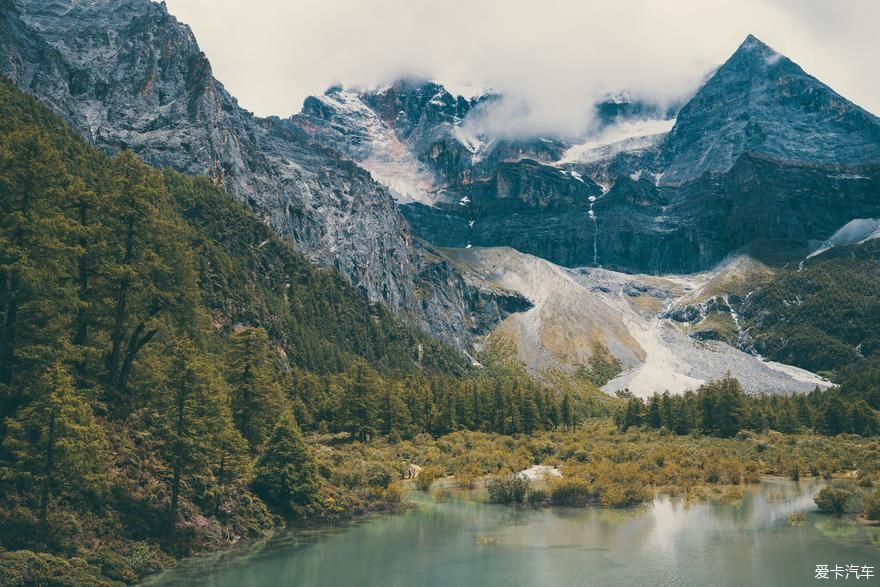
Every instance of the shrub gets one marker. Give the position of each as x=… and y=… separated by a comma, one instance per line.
x=536, y=497
x=871, y=506
x=510, y=488
x=379, y=476
x=833, y=499
x=571, y=492
x=468, y=477
x=23, y=567
x=622, y=495
x=426, y=477
x=752, y=473
x=797, y=518
x=712, y=473
x=731, y=471
x=394, y=494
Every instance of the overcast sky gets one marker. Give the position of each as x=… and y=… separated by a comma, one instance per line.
x=551, y=56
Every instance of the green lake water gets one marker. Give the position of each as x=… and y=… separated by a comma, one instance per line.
x=462, y=541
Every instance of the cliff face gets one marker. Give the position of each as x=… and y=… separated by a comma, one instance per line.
x=763, y=153
x=128, y=75
x=763, y=157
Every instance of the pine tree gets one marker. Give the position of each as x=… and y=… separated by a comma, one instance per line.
x=192, y=420
x=834, y=415
x=732, y=407
x=151, y=276
x=36, y=297
x=567, y=412
x=360, y=401
x=395, y=415
x=234, y=463
x=257, y=394
x=56, y=441
x=286, y=476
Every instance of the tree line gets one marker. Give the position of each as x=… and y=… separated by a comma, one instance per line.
x=722, y=408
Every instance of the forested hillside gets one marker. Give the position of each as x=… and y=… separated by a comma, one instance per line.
x=160, y=350
x=822, y=316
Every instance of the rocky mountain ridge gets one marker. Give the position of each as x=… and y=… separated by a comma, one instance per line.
x=127, y=74
x=762, y=156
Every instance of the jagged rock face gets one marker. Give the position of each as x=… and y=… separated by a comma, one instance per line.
x=531, y=207
x=451, y=289
x=137, y=79
x=762, y=103
x=411, y=136
x=407, y=132
x=763, y=153
x=129, y=75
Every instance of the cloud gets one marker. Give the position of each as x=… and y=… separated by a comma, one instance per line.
x=551, y=59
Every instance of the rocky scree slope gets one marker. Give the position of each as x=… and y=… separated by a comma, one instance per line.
x=631, y=317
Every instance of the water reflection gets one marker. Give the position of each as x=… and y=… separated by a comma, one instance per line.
x=460, y=541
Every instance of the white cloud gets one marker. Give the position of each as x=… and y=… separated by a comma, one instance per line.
x=552, y=59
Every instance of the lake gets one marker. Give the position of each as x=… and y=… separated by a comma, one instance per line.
x=460, y=540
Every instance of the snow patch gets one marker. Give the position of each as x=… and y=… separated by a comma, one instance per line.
x=853, y=232
x=390, y=162
x=623, y=137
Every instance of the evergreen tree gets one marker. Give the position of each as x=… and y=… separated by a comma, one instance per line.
x=286, y=476
x=56, y=441
x=360, y=402
x=834, y=415
x=631, y=415
x=36, y=297
x=150, y=275
x=787, y=420
x=863, y=420
x=257, y=394
x=190, y=408
x=395, y=415
x=728, y=407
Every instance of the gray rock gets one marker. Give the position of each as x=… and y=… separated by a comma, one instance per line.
x=128, y=75
x=634, y=289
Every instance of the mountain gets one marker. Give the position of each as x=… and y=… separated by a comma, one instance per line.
x=762, y=104
x=128, y=75
x=762, y=158
x=415, y=137
x=389, y=185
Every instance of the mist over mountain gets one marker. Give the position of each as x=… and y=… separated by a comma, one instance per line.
x=552, y=61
